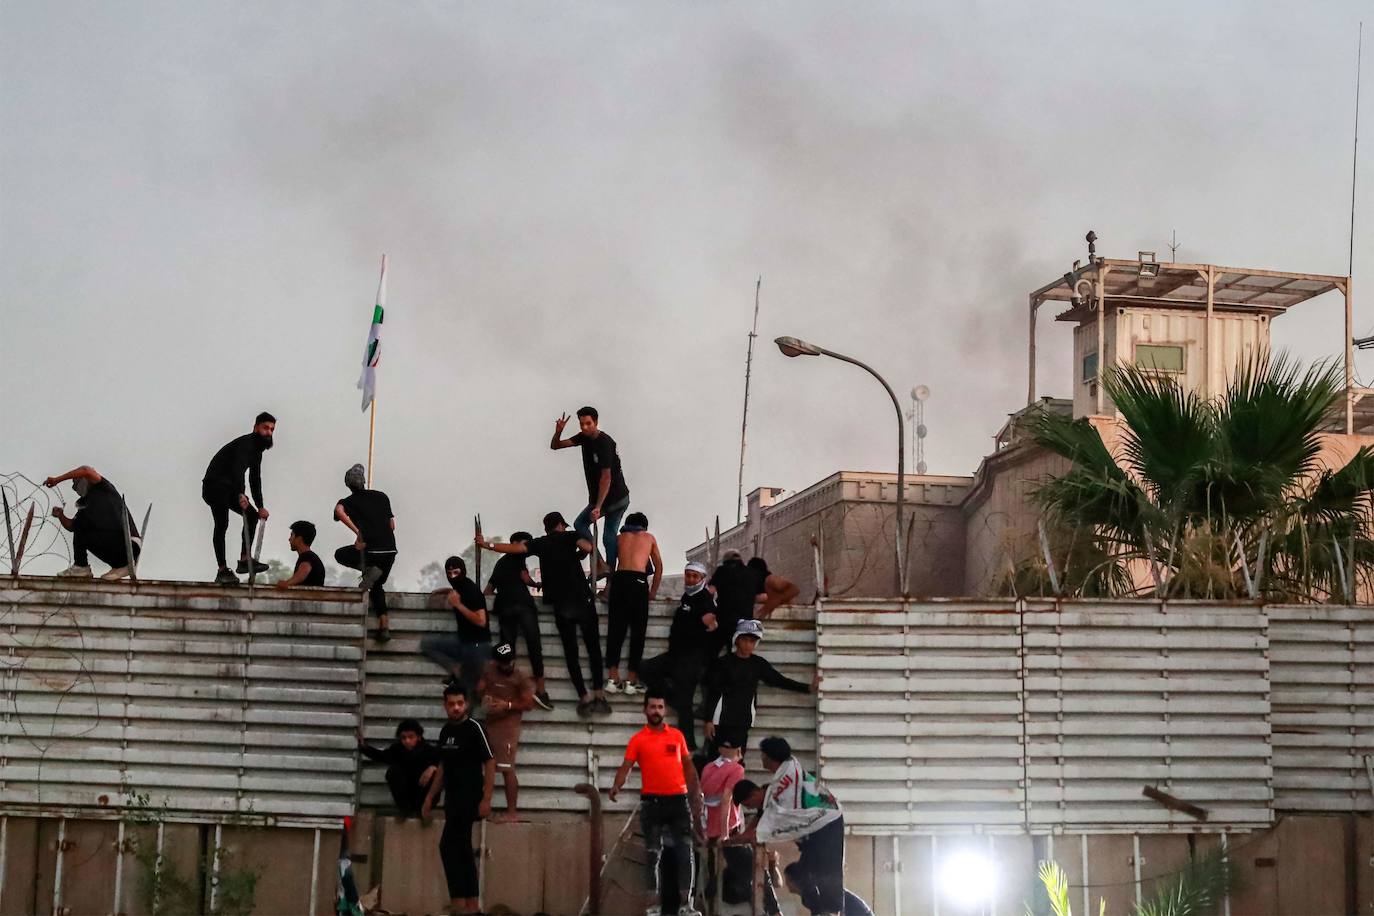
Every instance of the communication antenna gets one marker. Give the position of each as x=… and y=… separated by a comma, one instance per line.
x=1355, y=151
x=744, y=424
x=1173, y=246
x=917, y=416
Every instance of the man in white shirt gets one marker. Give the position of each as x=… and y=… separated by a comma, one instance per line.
x=793, y=808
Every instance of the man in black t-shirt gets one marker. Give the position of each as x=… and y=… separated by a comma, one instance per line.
x=309, y=569
x=412, y=763
x=692, y=643
x=737, y=587
x=608, y=497
x=465, y=653
x=98, y=526
x=467, y=774
x=222, y=490
x=367, y=513
x=515, y=612
x=566, y=589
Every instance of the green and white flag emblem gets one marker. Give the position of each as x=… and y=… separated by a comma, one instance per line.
x=372, y=353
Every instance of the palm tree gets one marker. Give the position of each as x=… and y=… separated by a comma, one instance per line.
x=1219, y=498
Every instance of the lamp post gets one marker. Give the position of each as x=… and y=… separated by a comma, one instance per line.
x=791, y=346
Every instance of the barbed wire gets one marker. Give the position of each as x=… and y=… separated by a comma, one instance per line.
x=47, y=538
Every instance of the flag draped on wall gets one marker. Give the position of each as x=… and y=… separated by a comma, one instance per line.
x=372, y=353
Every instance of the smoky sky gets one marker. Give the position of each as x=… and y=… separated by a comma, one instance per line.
x=576, y=200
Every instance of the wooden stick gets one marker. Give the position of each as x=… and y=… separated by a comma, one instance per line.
x=477, y=551
x=24, y=537
x=371, y=437
x=9, y=532
x=1173, y=803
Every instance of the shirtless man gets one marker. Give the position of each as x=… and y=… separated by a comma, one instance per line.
x=629, y=600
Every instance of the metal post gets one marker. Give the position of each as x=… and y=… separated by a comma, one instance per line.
x=1087, y=888
x=1349, y=361
x=315, y=874
x=1226, y=854
x=1030, y=388
x=1135, y=849
x=119, y=868
x=4, y=850
x=57, y=869
x=934, y=874
x=214, y=870
x=896, y=873
x=992, y=857
x=1207, y=389
x=157, y=869
x=1100, y=294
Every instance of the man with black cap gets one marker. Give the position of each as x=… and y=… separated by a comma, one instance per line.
x=507, y=693
x=222, y=490
x=98, y=526
x=367, y=513
x=566, y=589
x=731, y=686
x=692, y=642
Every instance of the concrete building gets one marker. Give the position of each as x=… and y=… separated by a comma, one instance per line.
x=966, y=535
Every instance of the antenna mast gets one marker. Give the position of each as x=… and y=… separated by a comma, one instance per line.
x=1173, y=247
x=744, y=424
x=1355, y=152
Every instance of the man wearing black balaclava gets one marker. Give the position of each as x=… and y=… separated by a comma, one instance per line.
x=98, y=527
x=223, y=491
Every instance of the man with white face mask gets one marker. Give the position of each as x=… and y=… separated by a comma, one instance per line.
x=98, y=526
x=692, y=643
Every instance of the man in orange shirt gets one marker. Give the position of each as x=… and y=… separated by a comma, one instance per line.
x=669, y=801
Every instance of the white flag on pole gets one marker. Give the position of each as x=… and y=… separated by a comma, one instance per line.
x=372, y=353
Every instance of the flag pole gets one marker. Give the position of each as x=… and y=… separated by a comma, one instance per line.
x=371, y=437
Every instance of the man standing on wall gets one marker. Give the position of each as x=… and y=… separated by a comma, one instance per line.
x=98, y=527
x=367, y=513
x=507, y=694
x=560, y=554
x=516, y=615
x=628, y=607
x=731, y=686
x=222, y=490
x=608, y=497
x=669, y=802
x=692, y=643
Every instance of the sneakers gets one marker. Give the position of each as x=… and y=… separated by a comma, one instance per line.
x=369, y=579
x=542, y=699
x=242, y=568
x=688, y=910
x=585, y=708
x=381, y=634
x=635, y=689
x=612, y=685
x=653, y=911
x=226, y=577
x=76, y=572
x=120, y=573
x=600, y=707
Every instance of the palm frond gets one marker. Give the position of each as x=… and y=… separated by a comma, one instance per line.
x=1196, y=890
x=1170, y=432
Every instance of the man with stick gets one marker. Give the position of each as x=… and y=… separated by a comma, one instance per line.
x=608, y=497
x=367, y=513
x=222, y=490
x=100, y=525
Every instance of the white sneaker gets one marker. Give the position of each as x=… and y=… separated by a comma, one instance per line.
x=612, y=686
x=120, y=573
x=688, y=910
x=76, y=572
x=653, y=911
x=635, y=688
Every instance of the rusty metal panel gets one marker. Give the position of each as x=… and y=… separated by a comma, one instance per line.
x=1322, y=674
x=1172, y=695
x=919, y=714
x=557, y=748
x=213, y=704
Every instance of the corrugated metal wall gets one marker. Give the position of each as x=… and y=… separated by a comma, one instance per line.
x=214, y=706
x=1043, y=717
x=556, y=747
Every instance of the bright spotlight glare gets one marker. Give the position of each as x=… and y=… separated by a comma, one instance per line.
x=968, y=878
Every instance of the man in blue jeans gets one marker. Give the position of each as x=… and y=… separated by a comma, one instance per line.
x=608, y=498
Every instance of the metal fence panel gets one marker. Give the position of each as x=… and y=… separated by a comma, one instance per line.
x=212, y=704
x=1322, y=675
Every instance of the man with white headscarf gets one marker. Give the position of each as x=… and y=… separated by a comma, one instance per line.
x=367, y=513
x=692, y=643
x=98, y=526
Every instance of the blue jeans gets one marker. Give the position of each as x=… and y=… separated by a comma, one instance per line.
x=610, y=519
x=464, y=659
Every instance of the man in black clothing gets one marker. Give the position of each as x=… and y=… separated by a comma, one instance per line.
x=692, y=643
x=465, y=653
x=309, y=569
x=467, y=774
x=98, y=526
x=412, y=763
x=560, y=554
x=515, y=612
x=222, y=490
x=732, y=683
x=608, y=496
x=367, y=513
x=736, y=587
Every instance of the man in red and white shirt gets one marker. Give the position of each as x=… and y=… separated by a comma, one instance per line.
x=724, y=818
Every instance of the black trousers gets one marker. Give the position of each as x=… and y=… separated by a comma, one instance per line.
x=523, y=620
x=458, y=856
x=677, y=677
x=222, y=500
x=574, y=618
x=353, y=558
x=822, y=865
x=105, y=546
x=406, y=790
x=628, y=612
x=668, y=817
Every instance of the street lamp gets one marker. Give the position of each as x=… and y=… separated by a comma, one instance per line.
x=791, y=346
